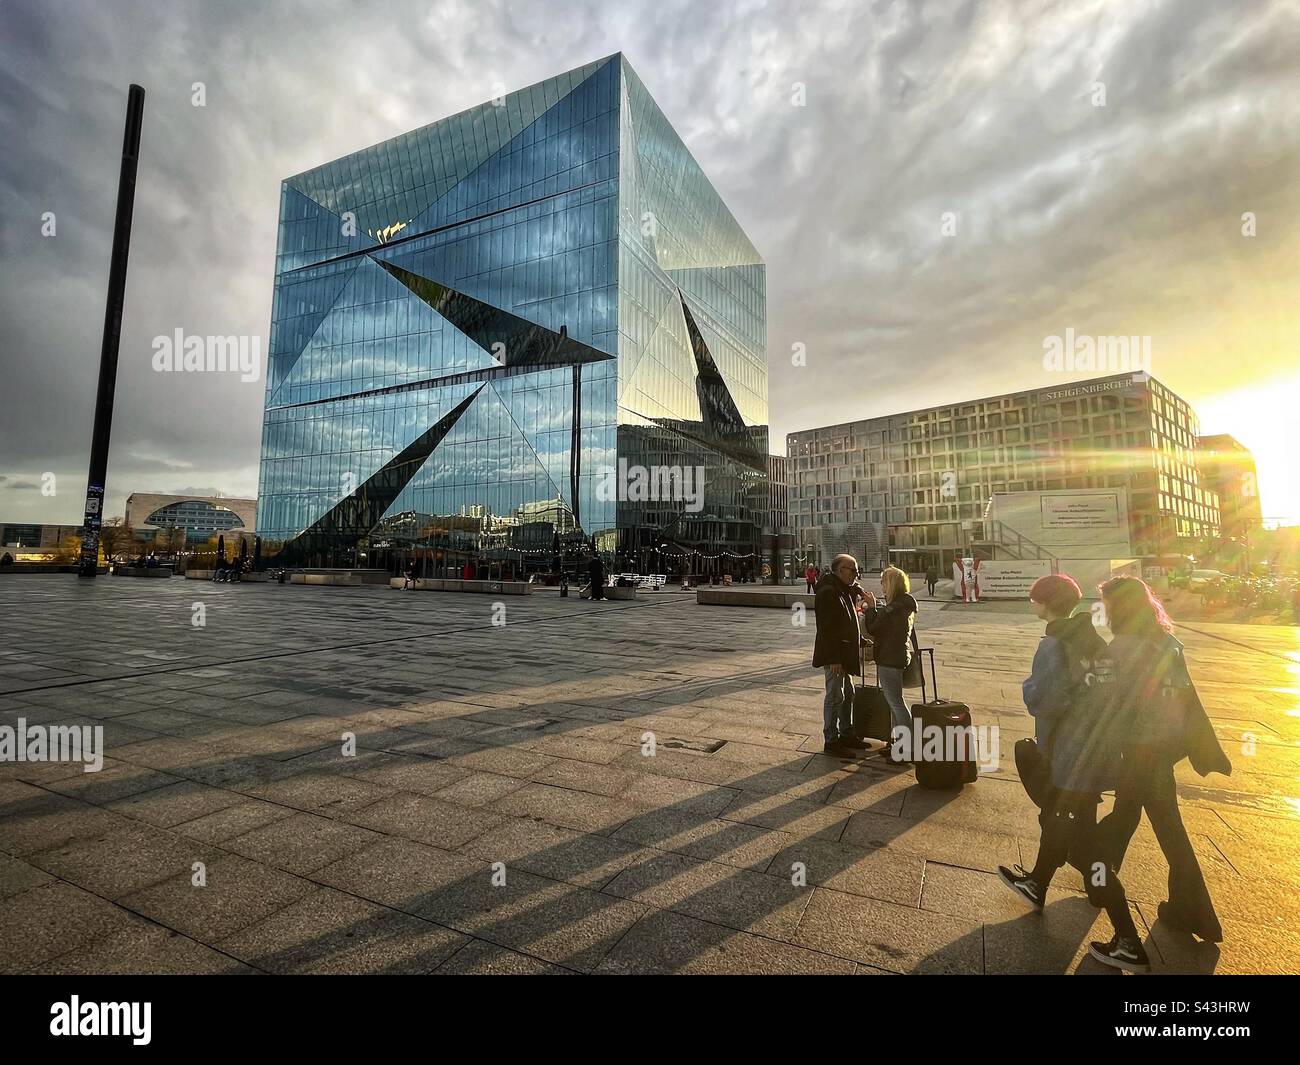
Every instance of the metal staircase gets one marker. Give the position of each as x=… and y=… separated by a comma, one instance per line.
x=1010, y=543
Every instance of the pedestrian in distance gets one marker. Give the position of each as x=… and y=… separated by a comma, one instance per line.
x=1166, y=723
x=931, y=578
x=889, y=621
x=596, y=575
x=410, y=575
x=838, y=652
x=810, y=576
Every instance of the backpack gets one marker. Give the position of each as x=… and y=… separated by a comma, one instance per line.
x=1085, y=748
x=1140, y=696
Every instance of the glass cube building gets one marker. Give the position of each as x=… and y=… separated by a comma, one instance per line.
x=481, y=328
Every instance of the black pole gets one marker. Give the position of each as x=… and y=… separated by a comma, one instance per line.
x=112, y=335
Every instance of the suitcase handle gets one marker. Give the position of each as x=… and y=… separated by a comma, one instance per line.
x=864, y=669
x=934, y=680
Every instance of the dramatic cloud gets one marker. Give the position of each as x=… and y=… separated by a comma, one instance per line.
x=841, y=134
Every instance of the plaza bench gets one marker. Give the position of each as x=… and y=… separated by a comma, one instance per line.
x=339, y=580
x=446, y=584
x=736, y=597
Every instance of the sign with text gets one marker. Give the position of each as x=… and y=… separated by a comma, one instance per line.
x=1099, y=510
x=1011, y=580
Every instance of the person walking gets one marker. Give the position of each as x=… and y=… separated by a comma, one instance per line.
x=810, y=578
x=1082, y=736
x=889, y=623
x=410, y=575
x=596, y=575
x=1167, y=723
x=838, y=651
x=931, y=578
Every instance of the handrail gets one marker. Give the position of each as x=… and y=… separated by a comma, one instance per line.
x=1020, y=543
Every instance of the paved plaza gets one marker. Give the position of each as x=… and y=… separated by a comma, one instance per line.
x=500, y=813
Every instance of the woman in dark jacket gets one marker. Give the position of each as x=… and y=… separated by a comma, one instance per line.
x=889, y=623
x=1079, y=743
x=1164, y=723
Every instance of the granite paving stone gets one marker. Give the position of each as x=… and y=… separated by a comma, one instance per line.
x=502, y=813
x=327, y=931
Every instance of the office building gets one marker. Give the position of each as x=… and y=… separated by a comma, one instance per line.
x=927, y=476
x=475, y=323
x=1229, y=470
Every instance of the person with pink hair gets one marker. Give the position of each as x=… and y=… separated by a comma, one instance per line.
x=1165, y=723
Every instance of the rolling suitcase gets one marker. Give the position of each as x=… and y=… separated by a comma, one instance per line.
x=947, y=759
x=871, y=717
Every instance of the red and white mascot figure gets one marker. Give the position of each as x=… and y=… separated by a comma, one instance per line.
x=966, y=579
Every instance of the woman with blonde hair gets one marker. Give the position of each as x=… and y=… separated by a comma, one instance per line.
x=889, y=623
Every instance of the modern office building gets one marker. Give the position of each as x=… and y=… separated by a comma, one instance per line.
x=1229, y=470
x=482, y=329
x=201, y=517
x=928, y=475
x=779, y=547
x=26, y=535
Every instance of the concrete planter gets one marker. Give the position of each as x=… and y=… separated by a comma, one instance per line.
x=734, y=597
x=437, y=584
x=332, y=580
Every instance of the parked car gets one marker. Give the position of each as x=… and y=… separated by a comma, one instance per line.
x=1201, y=577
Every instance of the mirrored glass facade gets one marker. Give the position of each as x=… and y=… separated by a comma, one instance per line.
x=473, y=324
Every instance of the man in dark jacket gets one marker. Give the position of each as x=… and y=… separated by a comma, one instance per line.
x=596, y=574
x=838, y=651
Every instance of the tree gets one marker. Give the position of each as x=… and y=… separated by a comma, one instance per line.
x=116, y=539
x=68, y=552
x=171, y=541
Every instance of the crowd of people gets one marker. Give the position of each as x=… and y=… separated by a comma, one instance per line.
x=1111, y=716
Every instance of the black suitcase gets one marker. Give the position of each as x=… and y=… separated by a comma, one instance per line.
x=871, y=717
x=956, y=762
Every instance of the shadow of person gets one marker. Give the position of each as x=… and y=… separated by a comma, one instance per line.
x=1053, y=942
x=1176, y=951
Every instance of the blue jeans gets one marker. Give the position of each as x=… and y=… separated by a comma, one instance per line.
x=837, y=707
x=891, y=683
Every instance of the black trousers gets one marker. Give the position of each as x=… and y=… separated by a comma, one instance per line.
x=1070, y=834
x=1151, y=787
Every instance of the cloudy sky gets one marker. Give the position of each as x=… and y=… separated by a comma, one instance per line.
x=841, y=134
